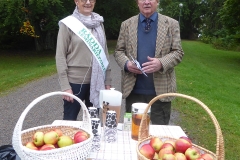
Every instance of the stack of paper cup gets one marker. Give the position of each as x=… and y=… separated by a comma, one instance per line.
x=96, y=126
x=110, y=128
x=93, y=112
x=96, y=130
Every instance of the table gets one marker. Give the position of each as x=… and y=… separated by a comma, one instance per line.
x=125, y=147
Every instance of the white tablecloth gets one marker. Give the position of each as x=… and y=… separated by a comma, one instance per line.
x=125, y=148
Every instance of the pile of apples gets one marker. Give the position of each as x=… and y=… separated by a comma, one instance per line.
x=180, y=149
x=54, y=139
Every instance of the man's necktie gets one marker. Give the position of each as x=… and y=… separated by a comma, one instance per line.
x=148, y=24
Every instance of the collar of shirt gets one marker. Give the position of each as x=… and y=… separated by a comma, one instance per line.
x=153, y=17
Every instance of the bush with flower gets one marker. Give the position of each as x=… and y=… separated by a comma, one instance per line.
x=28, y=29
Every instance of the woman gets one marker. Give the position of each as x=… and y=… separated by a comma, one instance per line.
x=81, y=70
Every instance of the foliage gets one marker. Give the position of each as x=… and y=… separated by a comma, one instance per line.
x=229, y=16
x=28, y=29
x=221, y=24
x=211, y=26
x=43, y=15
x=215, y=19
x=114, y=12
x=189, y=15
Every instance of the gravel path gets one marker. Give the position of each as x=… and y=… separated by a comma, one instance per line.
x=46, y=111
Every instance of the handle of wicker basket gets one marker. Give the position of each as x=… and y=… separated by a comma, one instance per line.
x=18, y=128
x=219, y=137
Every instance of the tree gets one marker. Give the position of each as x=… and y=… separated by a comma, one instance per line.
x=44, y=16
x=10, y=16
x=211, y=25
x=191, y=14
x=38, y=19
x=114, y=12
x=229, y=16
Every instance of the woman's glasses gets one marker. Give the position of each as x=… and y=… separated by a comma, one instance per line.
x=91, y=1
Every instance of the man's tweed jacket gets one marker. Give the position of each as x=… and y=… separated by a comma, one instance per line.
x=168, y=51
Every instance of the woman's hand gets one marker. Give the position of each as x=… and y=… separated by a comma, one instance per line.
x=67, y=98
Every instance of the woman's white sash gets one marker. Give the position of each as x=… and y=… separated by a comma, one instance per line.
x=92, y=43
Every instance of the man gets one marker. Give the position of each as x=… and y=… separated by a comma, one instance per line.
x=154, y=41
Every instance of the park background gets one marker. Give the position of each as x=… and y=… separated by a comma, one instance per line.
x=209, y=70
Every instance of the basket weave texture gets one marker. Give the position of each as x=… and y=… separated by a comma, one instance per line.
x=78, y=151
x=144, y=136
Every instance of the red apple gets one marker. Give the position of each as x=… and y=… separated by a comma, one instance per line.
x=31, y=145
x=168, y=157
x=180, y=156
x=171, y=142
x=192, y=153
x=79, y=138
x=59, y=132
x=156, y=143
x=182, y=145
x=64, y=141
x=51, y=137
x=165, y=151
x=56, y=145
x=81, y=132
x=186, y=138
x=205, y=156
x=46, y=147
x=38, y=138
x=147, y=151
x=168, y=146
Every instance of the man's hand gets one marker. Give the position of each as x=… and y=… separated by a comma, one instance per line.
x=67, y=98
x=153, y=65
x=133, y=68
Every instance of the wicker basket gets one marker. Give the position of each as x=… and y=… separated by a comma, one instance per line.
x=78, y=151
x=144, y=136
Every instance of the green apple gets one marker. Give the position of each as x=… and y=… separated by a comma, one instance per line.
x=64, y=141
x=168, y=157
x=156, y=143
x=51, y=137
x=164, y=151
x=180, y=156
x=38, y=138
x=31, y=145
x=192, y=153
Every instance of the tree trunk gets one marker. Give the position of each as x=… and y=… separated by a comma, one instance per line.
x=37, y=45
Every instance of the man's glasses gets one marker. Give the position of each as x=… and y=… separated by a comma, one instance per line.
x=91, y=1
x=146, y=0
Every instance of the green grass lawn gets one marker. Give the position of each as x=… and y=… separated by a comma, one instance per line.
x=210, y=75
x=213, y=77
x=18, y=68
